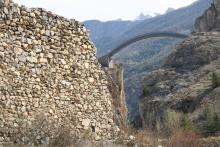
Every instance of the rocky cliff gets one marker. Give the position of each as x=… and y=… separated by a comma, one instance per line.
x=210, y=20
x=185, y=82
x=48, y=66
x=116, y=88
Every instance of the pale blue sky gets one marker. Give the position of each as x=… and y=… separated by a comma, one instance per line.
x=105, y=9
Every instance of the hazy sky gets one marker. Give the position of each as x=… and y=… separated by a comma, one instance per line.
x=105, y=9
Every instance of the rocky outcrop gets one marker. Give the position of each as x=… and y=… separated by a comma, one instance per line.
x=210, y=20
x=198, y=50
x=184, y=84
x=49, y=66
x=116, y=87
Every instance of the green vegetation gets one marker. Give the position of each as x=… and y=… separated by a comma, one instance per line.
x=172, y=121
x=146, y=91
x=215, y=80
x=211, y=123
x=187, y=124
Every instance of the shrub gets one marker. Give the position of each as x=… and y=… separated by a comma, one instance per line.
x=43, y=131
x=187, y=124
x=215, y=80
x=146, y=91
x=158, y=126
x=184, y=139
x=36, y=133
x=172, y=121
x=211, y=123
x=63, y=138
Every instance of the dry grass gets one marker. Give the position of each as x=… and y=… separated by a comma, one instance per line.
x=185, y=139
x=63, y=138
x=131, y=137
x=144, y=139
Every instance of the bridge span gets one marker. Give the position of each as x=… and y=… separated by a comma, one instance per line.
x=106, y=59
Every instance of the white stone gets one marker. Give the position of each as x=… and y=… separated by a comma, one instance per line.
x=23, y=109
x=25, y=45
x=51, y=111
x=15, y=125
x=42, y=32
x=43, y=60
x=50, y=55
x=6, y=10
x=131, y=137
x=86, y=65
x=91, y=80
x=63, y=61
x=20, y=29
x=2, y=54
x=29, y=41
x=98, y=104
x=97, y=137
x=32, y=14
x=32, y=59
x=18, y=51
x=86, y=122
x=47, y=32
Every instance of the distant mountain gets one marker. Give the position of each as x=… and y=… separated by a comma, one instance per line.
x=143, y=17
x=103, y=32
x=169, y=10
x=144, y=56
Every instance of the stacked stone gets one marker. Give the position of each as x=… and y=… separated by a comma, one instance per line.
x=48, y=65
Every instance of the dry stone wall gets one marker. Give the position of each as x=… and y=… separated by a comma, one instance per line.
x=48, y=65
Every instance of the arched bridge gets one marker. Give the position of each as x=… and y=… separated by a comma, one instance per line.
x=105, y=60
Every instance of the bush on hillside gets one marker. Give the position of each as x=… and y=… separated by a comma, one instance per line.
x=172, y=121
x=146, y=91
x=211, y=123
x=215, y=80
x=184, y=139
x=187, y=124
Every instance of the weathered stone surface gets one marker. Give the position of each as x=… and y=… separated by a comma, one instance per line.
x=210, y=20
x=184, y=83
x=48, y=65
x=116, y=87
x=86, y=122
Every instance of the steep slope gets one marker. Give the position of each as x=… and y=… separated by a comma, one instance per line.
x=185, y=82
x=188, y=81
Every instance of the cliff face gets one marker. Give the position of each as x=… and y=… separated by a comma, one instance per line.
x=116, y=87
x=210, y=20
x=185, y=82
x=49, y=66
